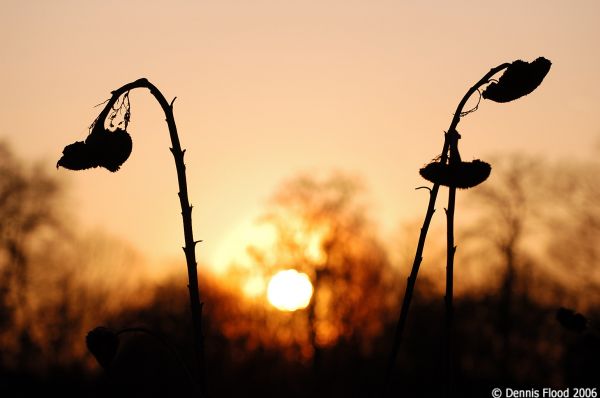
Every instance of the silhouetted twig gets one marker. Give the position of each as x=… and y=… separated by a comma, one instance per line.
x=519, y=79
x=186, y=209
x=410, y=284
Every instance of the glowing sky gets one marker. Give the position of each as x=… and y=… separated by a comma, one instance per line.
x=267, y=89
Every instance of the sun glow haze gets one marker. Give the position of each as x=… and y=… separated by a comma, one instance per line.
x=246, y=77
x=233, y=248
x=289, y=290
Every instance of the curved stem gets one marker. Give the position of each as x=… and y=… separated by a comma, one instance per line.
x=186, y=211
x=412, y=279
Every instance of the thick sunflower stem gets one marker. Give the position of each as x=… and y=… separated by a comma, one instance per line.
x=186, y=213
x=412, y=279
x=453, y=137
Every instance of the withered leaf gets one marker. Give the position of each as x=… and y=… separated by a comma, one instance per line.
x=571, y=320
x=103, y=343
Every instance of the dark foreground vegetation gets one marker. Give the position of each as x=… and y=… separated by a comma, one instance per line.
x=527, y=248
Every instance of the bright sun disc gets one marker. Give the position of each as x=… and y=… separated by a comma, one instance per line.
x=289, y=290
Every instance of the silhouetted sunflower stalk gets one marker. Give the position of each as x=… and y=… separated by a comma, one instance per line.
x=519, y=79
x=110, y=148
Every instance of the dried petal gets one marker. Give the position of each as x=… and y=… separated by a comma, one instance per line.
x=112, y=148
x=462, y=175
x=519, y=79
x=104, y=148
x=103, y=344
x=77, y=156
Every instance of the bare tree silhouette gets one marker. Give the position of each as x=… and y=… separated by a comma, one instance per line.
x=322, y=229
x=28, y=206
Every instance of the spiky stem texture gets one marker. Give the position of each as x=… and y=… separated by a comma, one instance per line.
x=412, y=279
x=186, y=211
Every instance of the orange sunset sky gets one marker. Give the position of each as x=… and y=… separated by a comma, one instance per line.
x=268, y=89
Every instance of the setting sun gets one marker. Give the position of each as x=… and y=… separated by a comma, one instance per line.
x=289, y=290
